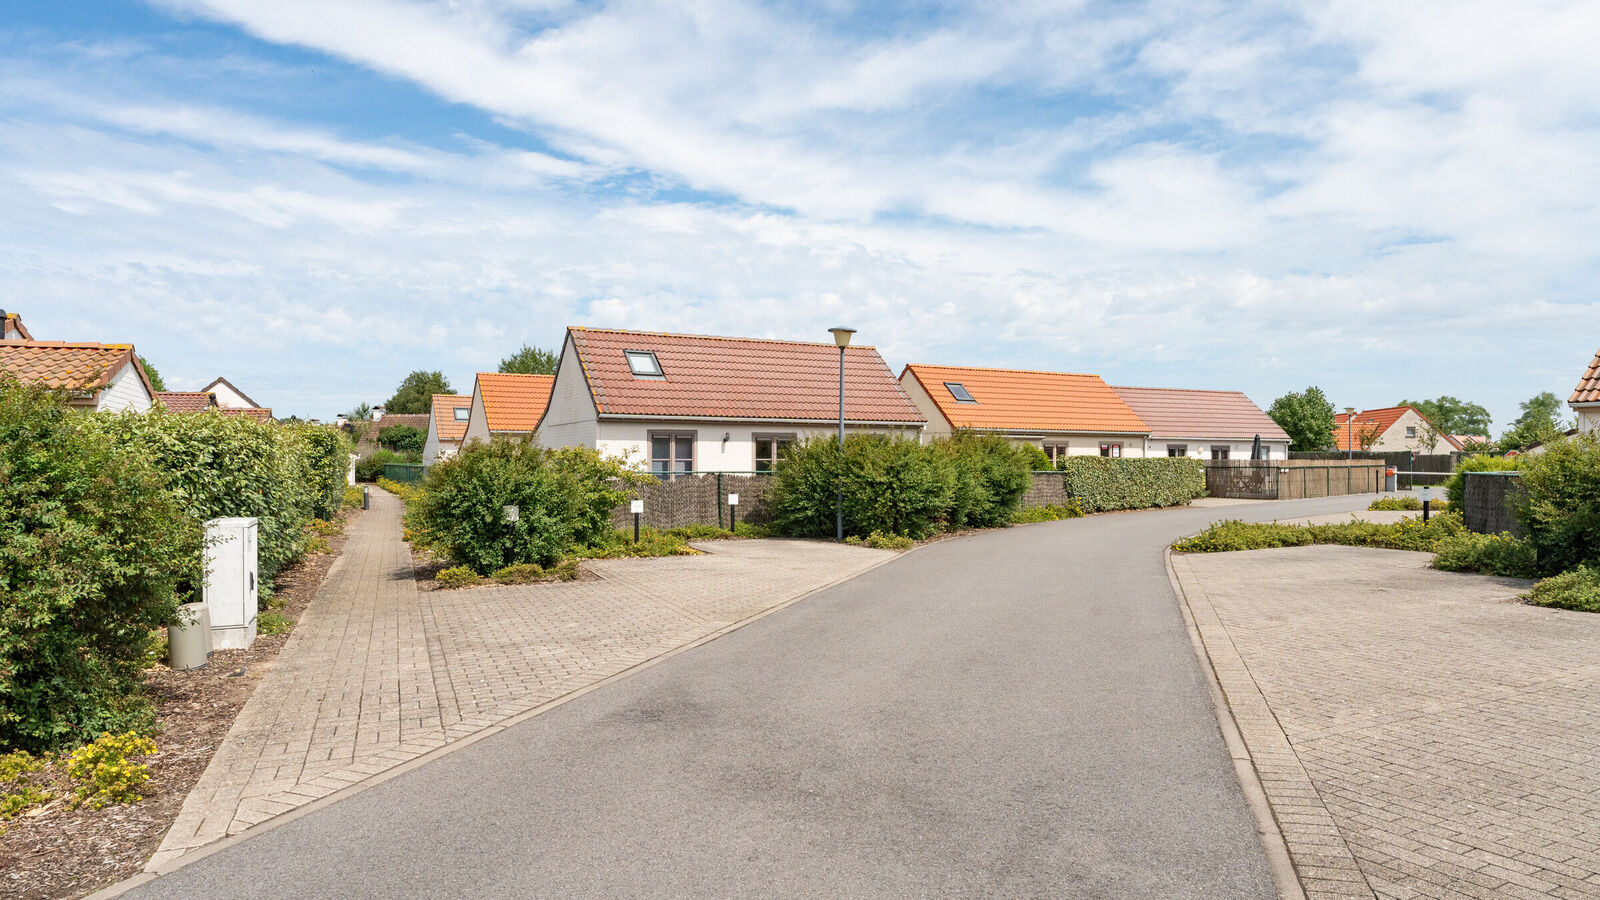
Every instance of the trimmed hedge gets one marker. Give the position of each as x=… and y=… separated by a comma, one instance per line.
x=1455, y=488
x=1407, y=534
x=1560, y=504
x=1101, y=483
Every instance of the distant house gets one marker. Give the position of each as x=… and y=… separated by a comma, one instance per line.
x=1585, y=399
x=1062, y=413
x=100, y=377
x=694, y=403
x=1392, y=428
x=1204, y=424
x=12, y=329
x=506, y=404
x=447, y=426
x=228, y=396
x=204, y=401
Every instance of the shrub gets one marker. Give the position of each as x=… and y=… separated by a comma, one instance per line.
x=402, y=438
x=746, y=530
x=1455, y=487
x=1395, y=503
x=880, y=541
x=896, y=486
x=1101, y=483
x=457, y=577
x=519, y=573
x=269, y=623
x=700, y=532
x=1560, y=504
x=406, y=492
x=1409, y=534
x=652, y=542
x=105, y=772
x=1578, y=589
x=1488, y=554
x=327, y=463
x=564, y=499
x=352, y=497
x=92, y=548
x=23, y=797
x=370, y=467
x=1050, y=513
x=991, y=474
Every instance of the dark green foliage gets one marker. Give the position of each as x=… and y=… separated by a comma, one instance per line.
x=1307, y=417
x=531, y=361
x=328, y=463
x=992, y=475
x=1487, y=554
x=1101, y=483
x=91, y=547
x=1578, y=589
x=1455, y=488
x=415, y=393
x=1409, y=534
x=157, y=383
x=1560, y=505
x=402, y=438
x=564, y=498
x=891, y=485
x=370, y=467
x=1540, y=421
x=1452, y=416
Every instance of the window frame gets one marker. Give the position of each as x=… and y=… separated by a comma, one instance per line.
x=630, y=355
x=1056, y=450
x=776, y=437
x=1183, y=451
x=461, y=413
x=951, y=386
x=1224, y=449
x=1106, y=448
x=670, y=473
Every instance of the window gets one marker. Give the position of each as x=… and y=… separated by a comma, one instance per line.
x=671, y=454
x=1411, y=431
x=1177, y=449
x=462, y=412
x=1056, y=452
x=643, y=363
x=959, y=391
x=770, y=448
x=1114, y=450
x=1219, y=451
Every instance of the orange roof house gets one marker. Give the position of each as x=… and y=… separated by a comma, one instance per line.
x=1392, y=428
x=688, y=402
x=1585, y=399
x=1061, y=412
x=102, y=377
x=447, y=426
x=503, y=403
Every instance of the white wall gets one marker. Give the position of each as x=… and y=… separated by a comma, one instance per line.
x=938, y=425
x=570, y=419
x=631, y=439
x=477, y=421
x=229, y=398
x=1079, y=444
x=1395, y=438
x=1200, y=448
x=435, y=449
x=126, y=391
x=1588, y=419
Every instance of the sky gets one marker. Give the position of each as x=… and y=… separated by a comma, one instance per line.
x=314, y=197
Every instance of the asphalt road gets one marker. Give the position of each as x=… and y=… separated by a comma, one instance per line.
x=1017, y=713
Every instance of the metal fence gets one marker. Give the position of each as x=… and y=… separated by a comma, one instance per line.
x=405, y=473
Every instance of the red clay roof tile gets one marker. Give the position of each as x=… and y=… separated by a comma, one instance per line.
x=1180, y=412
x=64, y=365
x=511, y=402
x=1588, y=389
x=447, y=425
x=1023, y=400
x=186, y=401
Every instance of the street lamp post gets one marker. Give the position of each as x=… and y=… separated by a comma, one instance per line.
x=1350, y=432
x=841, y=336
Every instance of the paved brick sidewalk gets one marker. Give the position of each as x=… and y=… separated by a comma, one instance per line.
x=1418, y=733
x=378, y=673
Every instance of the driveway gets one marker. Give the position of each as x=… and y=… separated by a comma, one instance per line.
x=1016, y=713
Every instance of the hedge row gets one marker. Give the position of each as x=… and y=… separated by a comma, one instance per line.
x=1100, y=483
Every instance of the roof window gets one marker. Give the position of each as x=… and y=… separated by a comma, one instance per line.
x=643, y=363
x=959, y=391
x=462, y=413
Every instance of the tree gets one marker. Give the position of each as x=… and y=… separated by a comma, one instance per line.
x=402, y=438
x=531, y=361
x=415, y=394
x=361, y=413
x=156, y=382
x=1452, y=416
x=1540, y=421
x=1307, y=417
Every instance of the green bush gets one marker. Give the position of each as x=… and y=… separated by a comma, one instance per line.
x=327, y=461
x=1408, y=534
x=269, y=623
x=1101, y=483
x=92, y=547
x=105, y=772
x=880, y=541
x=564, y=498
x=352, y=497
x=402, y=438
x=406, y=492
x=1578, y=589
x=652, y=542
x=1406, y=502
x=1560, y=504
x=520, y=573
x=370, y=467
x=892, y=485
x=1487, y=554
x=457, y=577
x=1050, y=513
x=992, y=473
x=1455, y=487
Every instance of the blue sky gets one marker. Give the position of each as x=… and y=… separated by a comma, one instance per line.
x=314, y=197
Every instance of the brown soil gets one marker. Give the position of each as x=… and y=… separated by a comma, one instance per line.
x=53, y=851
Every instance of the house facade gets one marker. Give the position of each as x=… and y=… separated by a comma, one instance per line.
x=1392, y=428
x=447, y=426
x=503, y=404
x=693, y=403
x=228, y=396
x=1204, y=424
x=1585, y=399
x=1061, y=413
x=98, y=377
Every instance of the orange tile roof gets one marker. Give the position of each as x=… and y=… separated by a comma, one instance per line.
x=513, y=402
x=739, y=378
x=1346, y=437
x=12, y=323
x=186, y=401
x=1588, y=389
x=259, y=413
x=1179, y=412
x=444, y=416
x=1021, y=400
x=64, y=365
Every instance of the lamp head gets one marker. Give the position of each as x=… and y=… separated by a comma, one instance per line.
x=841, y=336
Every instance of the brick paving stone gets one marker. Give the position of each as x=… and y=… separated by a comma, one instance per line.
x=378, y=673
x=1448, y=733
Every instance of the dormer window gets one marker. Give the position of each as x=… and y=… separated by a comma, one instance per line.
x=643, y=363
x=959, y=391
x=462, y=413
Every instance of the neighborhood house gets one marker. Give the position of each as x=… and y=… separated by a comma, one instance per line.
x=504, y=404
x=230, y=397
x=692, y=403
x=1393, y=428
x=1204, y=424
x=1585, y=399
x=1063, y=414
x=100, y=377
x=447, y=426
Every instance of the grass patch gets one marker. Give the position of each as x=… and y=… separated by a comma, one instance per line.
x=269, y=623
x=1410, y=534
x=1577, y=589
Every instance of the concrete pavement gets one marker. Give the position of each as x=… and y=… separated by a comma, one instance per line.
x=1014, y=713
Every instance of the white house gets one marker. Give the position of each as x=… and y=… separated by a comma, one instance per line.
x=505, y=404
x=1585, y=399
x=447, y=426
x=693, y=403
x=1062, y=413
x=1204, y=424
x=1392, y=428
x=228, y=396
x=100, y=377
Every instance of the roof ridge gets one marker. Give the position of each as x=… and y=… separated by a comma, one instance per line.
x=1135, y=387
x=1004, y=369
x=513, y=374
x=714, y=337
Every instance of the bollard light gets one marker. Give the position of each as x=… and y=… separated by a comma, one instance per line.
x=637, y=508
x=733, y=512
x=1427, y=500
x=512, y=513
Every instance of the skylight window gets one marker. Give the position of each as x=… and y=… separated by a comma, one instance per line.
x=462, y=413
x=643, y=363
x=959, y=391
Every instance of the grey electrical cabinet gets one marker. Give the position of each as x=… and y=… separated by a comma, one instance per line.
x=230, y=587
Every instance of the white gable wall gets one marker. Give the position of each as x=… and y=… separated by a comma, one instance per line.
x=1588, y=418
x=570, y=419
x=938, y=425
x=229, y=398
x=477, y=421
x=126, y=391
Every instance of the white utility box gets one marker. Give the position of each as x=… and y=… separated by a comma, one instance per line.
x=230, y=588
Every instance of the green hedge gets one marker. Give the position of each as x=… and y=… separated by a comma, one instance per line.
x=1560, y=504
x=1100, y=483
x=1407, y=534
x=1455, y=489
x=91, y=547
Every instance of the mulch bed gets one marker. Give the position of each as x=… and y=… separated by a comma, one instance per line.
x=53, y=851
